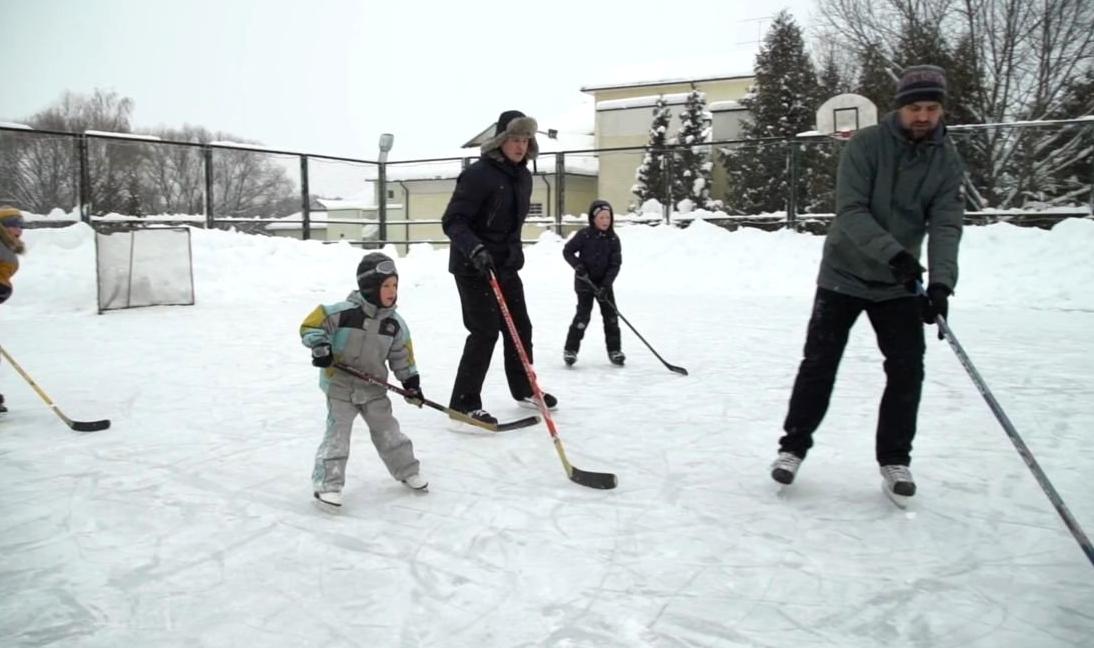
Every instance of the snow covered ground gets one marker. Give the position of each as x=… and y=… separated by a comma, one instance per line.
x=190, y=521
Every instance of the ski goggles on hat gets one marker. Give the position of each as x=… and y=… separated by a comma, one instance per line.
x=385, y=267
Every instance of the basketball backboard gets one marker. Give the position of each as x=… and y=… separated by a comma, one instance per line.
x=844, y=114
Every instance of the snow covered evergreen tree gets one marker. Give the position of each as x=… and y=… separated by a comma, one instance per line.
x=782, y=103
x=691, y=162
x=875, y=79
x=832, y=81
x=650, y=177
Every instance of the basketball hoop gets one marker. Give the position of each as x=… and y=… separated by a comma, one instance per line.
x=841, y=116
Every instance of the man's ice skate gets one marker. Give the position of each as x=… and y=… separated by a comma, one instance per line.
x=569, y=357
x=898, y=484
x=785, y=467
x=2, y=408
x=482, y=415
x=416, y=482
x=617, y=358
x=331, y=501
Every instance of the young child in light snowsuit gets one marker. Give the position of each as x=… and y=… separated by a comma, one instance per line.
x=11, y=229
x=596, y=255
x=364, y=333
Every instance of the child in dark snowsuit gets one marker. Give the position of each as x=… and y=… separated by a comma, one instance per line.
x=595, y=254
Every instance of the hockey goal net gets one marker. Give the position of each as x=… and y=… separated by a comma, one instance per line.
x=144, y=267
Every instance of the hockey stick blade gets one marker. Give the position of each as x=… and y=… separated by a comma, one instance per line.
x=89, y=426
x=679, y=370
x=603, y=481
x=527, y=421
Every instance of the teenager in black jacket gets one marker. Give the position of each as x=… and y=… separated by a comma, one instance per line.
x=483, y=220
x=595, y=254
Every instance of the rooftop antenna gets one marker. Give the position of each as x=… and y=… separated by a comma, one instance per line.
x=761, y=24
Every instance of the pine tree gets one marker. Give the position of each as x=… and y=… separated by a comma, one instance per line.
x=831, y=79
x=650, y=175
x=782, y=103
x=963, y=85
x=922, y=43
x=821, y=157
x=875, y=81
x=691, y=161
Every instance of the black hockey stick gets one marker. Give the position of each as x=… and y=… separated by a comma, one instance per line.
x=576, y=475
x=670, y=367
x=1020, y=445
x=453, y=414
x=79, y=426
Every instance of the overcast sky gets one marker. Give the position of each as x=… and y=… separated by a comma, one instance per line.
x=329, y=76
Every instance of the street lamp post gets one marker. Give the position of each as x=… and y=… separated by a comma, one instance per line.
x=387, y=140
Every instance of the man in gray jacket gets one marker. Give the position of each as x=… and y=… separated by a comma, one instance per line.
x=898, y=182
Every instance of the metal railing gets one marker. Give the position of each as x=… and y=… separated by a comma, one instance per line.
x=98, y=175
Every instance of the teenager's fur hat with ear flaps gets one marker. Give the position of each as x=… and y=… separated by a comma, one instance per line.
x=10, y=217
x=373, y=269
x=514, y=123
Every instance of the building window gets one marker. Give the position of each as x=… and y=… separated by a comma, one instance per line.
x=535, y=210
x=390, y=194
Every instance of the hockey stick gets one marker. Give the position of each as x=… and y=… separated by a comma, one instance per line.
x=670, y=367
x=453, y=414
x=1008, y=427
x=79, y=426
x=576, y=475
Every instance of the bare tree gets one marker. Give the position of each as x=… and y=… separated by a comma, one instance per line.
x=1019, y=57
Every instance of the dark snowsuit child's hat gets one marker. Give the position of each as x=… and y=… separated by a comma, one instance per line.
x=598, y=206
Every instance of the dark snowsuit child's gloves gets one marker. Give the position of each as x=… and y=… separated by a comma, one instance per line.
x=321, y=356
x=413, y=388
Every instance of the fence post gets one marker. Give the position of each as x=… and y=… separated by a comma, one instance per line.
x=85, y=179
x=792, y=194
x=560, y=190
x=666, y=209
x=305, y=201
x=207, y=156
x=382, y=212
x=1090, y=127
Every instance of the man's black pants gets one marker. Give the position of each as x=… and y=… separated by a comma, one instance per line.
x=483, y=320
x=898, y=325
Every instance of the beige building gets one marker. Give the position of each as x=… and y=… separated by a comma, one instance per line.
x=423, y=189
x=417, y=193
x=623, y=115
x=337, y=220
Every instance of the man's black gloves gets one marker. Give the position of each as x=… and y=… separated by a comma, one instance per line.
x=937, y=303
x=906, y=270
